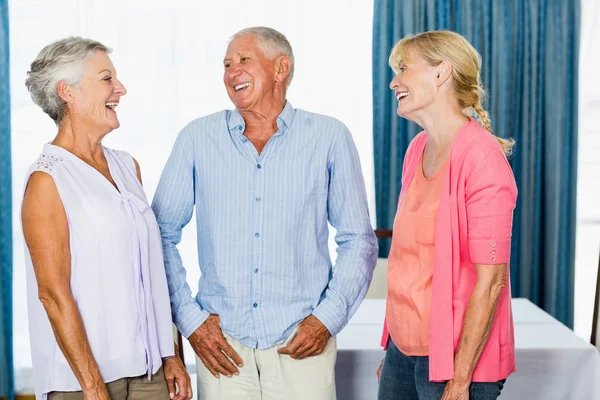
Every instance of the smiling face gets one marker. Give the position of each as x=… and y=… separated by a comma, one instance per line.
x=415, y=85
x=94, y=101
x=249, y=76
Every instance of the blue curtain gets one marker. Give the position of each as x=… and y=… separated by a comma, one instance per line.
x=6, y=345
x=530, y=52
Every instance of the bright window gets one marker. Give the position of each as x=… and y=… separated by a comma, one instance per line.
x=588, y=181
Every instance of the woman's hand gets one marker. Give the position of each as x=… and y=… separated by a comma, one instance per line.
x=456, y=391
x=175, y=373
x=379, y=370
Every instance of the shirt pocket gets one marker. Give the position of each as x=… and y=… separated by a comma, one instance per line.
x=305, y=188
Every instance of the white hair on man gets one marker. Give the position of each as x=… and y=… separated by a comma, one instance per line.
x=272, y=42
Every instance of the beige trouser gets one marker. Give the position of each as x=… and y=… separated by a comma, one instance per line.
x=266, y=375
x=138, y=388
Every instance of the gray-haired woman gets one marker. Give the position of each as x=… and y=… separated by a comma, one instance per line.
x=99, y=314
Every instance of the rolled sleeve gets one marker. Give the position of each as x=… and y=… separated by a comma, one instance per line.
x=491, y=196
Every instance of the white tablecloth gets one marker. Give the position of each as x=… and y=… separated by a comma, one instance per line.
x=552, y=362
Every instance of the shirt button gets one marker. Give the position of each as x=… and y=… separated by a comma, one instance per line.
x=256, y=271
x=258, y=199
x=240, y=127
x=258, y=166
x=493, y=259
x=493, y=251
x=255, y=305
x=244, y=140
x=257, y=234
x=493, y=244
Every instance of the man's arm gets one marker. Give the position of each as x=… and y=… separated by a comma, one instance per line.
x=357, y=245
x=173, y=205
x=357, y=253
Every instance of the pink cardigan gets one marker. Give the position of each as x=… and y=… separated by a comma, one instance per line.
x=473, y=227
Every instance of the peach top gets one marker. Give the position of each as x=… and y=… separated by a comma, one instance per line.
x=410, y=263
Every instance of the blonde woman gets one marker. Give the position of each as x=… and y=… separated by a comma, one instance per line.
x=449, y=328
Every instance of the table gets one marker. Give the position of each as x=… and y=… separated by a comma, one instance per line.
x=552, y=362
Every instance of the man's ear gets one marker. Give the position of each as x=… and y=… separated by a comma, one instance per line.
x=283, y=66
x=65, y=91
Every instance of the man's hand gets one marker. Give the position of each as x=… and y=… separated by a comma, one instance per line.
x=212, y=348
x=175, y=373
x=311, y=339
x=456, y=391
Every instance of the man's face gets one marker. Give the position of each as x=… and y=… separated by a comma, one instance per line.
x=249, y=76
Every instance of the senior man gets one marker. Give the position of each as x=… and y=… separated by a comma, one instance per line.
x=265, y=179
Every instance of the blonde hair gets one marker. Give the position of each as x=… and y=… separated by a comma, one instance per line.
x=438, y=46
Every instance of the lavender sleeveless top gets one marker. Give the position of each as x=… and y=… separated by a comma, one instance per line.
x=117, y=274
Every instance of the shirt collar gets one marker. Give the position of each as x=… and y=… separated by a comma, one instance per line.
x=286, y=116
x=236, y=122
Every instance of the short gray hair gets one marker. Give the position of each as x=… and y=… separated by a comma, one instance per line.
x=272, y=42
x=59, y=61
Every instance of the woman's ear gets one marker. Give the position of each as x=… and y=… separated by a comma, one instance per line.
x=444, y=71
x=65, y=91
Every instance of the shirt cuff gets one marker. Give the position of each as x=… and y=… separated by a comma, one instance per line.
x=189, y=317
x=489, y=251
x=332, y=314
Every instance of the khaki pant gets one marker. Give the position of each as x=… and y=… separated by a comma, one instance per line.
x=138, y=388
x=266, y=375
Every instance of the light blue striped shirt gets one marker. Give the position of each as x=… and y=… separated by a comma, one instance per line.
x=262, y=225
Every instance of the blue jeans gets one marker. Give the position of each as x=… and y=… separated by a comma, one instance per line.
x=407, y=378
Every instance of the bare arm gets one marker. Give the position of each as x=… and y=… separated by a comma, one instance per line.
x=46, y=233
x=178, y=380
x=138, y=171
x=477, y=324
